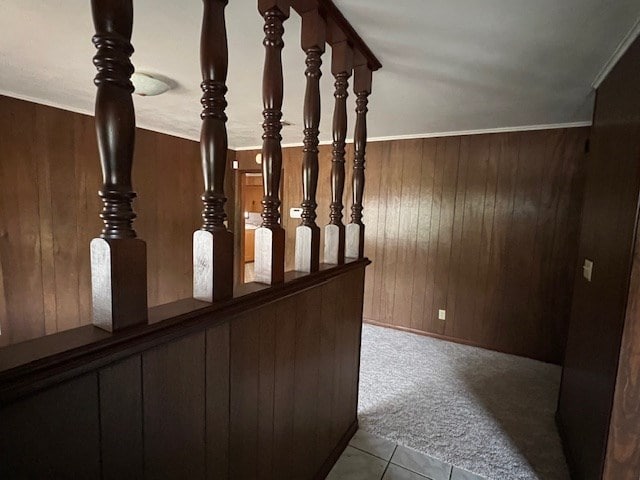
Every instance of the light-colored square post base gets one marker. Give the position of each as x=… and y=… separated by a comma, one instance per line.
x=354, y=241
x=212, y=265
x=307, y=248
x=334, y=244
x=269, y=255
x=118, y=283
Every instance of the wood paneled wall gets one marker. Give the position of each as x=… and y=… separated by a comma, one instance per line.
x=49, y=179
x=599, y=395
x=267, y=393
x=483, y=226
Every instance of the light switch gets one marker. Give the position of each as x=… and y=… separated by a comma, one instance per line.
x=295, y=213
x=587, y=269
x=442, y=314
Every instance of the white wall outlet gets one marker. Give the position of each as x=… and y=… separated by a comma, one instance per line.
x=442, y=314
x=587, y=269
x=235, y=164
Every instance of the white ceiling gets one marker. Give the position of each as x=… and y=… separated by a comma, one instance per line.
x=448, y=65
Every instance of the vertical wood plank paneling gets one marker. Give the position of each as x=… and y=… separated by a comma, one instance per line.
x=474, y=153
x=50, y=213
x=20, y=242
x=391, y=232
x=485, y=246
x=370, y=218
x=244, y=388
x=217, y=398
x=284, y=387
x=266, y=393
x=407, y=232
x=328, y=348
x=430, y=321
x=174, y=409
x=120, y=388
x=146, y=159
x=445, y=244
x=305, y=408
x=425, y=206
x=385, y=167
x=53, y=434
x=57, y=142
x=88, y=178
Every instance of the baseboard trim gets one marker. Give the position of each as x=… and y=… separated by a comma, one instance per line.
x=460, y=341
x=337, y=451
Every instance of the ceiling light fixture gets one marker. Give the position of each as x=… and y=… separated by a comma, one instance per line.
x=147, y=85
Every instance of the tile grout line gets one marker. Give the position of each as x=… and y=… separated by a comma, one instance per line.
x=389, y=462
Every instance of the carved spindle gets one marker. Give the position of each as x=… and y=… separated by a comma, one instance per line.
x=341, y=67
x=308, y=232
x=213, y=244
x=270, y=237
x=355, y=230
x=118, y=258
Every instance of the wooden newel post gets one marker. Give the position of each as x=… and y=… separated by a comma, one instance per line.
x=270, y=237
x=213, y=243
x=308, y=232
x=355, y=229
x=118, y=258
x=334, y=233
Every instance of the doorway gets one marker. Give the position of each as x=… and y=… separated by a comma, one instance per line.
x=251, y=192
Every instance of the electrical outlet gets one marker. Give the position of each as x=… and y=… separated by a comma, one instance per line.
x=587, y=269
x=442, y=314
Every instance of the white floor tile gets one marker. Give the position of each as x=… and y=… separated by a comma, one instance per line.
x=420, y=463
x=459, y=474
x=378, y=446
x=394, y=472
x=355, y=464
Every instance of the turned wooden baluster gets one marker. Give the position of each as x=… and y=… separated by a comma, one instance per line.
x=213, y=244
x=355, y=230
x=270, y=237
x=308, y=232
x=334, y=233
x=118, y=258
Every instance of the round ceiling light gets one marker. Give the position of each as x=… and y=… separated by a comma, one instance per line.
x=147, y=86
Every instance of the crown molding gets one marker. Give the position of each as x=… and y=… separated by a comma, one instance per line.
x=620, y=50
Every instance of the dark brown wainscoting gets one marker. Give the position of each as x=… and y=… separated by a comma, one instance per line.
x=598, y=375
x=262, y=386
x=49, y=182
x=483, y=226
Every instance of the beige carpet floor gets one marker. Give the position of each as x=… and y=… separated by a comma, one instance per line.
x=484, y=411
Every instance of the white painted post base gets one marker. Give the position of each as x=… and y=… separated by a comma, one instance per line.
x=354, y=239
x=118, y=283
x=268, y=264
x=307, y=249
x=334, y=244
x=212, y=265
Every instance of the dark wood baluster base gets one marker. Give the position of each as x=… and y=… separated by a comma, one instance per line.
x=118, y=282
